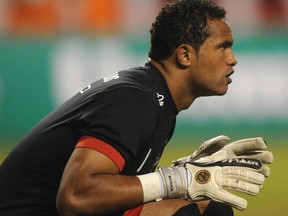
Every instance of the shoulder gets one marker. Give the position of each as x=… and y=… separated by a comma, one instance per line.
x=137, y=82
x=140, y=77
x=138, y=87
x=131, y=96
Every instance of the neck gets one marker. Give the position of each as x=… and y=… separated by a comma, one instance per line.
x=177, y=84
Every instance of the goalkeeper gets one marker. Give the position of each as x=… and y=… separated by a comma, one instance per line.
x=97, y=153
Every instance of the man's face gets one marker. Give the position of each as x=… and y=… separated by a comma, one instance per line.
x=215, y=61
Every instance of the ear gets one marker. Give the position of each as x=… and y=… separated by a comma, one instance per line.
x=184, y=54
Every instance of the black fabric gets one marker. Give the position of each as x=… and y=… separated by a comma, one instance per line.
x=213, y=209
x=218, y=209
x=188, y=210
x=131, y=110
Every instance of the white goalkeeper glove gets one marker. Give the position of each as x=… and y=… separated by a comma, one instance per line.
x=198, y=181
x=220, y=148
x=240, y=174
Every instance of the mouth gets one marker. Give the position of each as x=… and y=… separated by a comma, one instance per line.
x=228, y=76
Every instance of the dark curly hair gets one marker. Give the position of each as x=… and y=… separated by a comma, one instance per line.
x=182, y=21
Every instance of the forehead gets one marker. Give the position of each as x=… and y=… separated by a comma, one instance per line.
x=220, y=31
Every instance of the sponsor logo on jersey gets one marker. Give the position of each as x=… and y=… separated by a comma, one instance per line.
x=160, y=99
x=109, y=78
x=85, y=89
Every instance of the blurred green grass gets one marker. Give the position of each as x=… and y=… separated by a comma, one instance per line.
x=271, y=201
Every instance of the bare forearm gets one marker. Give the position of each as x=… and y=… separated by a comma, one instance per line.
x=104, y=193
x=116, y=192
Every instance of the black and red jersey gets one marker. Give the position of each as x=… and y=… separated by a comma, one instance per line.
x=129, y=116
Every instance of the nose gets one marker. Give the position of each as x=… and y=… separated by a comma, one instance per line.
x=232, y=61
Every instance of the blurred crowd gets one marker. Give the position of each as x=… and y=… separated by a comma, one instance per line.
x=54, y=17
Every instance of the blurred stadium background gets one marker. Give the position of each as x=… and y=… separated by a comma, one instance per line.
x=50, y=49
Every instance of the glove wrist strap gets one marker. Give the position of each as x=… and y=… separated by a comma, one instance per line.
x=176, y=180
x=152, y=187
x=167, y=182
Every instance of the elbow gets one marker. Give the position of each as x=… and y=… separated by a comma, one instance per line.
x=73, y=205
x=65, y=205
x=69, y=205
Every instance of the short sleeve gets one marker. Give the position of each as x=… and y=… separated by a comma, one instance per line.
x=104, y=148
x=124, y=118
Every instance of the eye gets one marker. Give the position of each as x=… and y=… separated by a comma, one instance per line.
x=225, y=45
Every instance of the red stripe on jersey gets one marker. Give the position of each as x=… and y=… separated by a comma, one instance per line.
x=134, y=212
x=104, y=148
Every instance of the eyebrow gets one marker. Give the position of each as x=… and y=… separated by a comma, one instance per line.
x=226, y=43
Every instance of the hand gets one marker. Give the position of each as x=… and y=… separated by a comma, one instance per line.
x=219, y=148
x=200, y=181
x=207, y=148
x=213, y=180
